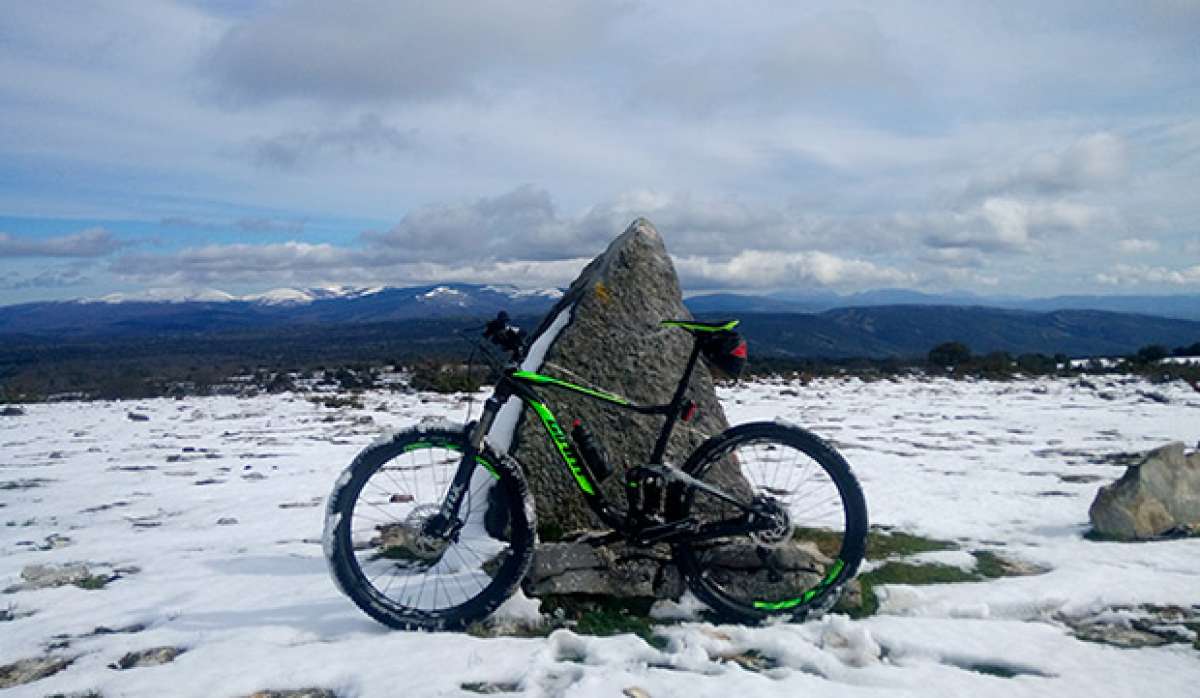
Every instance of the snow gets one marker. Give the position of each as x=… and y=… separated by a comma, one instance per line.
x=1182, y=360
x=978, y=462
x=443, y=293
x=166, y=295
x=280, y=296
x=514, y=292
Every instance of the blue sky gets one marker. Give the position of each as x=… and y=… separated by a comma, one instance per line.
x=165, y=147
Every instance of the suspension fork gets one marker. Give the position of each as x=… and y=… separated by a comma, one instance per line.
x=445, y=523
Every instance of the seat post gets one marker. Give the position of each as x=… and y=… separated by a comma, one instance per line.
x=660, y=447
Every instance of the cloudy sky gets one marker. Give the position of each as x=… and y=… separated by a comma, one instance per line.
x=1016, y=148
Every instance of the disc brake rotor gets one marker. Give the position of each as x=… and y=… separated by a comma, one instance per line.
x=406, y=540
x=780, y=527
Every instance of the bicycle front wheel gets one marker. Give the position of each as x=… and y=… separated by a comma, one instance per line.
x=379, y=555
x=797, y=565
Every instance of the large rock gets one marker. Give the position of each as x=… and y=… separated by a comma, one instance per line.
x=610, y=570
x=1158, y=496
x=605, y=333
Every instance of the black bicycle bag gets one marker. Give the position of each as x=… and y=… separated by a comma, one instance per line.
x=725, y=351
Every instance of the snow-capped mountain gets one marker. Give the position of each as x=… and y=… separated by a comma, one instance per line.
x=461, y=295
x=212, y=309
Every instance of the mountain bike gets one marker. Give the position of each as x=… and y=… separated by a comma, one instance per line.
x=433, y=528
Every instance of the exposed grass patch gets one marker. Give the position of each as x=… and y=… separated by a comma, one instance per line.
x=95, y=581
x=905, y=573
x=601, y=615
x=881, y=543
x=917, y=574
x=989, y=564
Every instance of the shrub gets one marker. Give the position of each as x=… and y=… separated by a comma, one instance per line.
x=950, y=354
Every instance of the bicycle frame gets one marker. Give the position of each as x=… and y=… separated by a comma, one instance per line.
x=519, y=383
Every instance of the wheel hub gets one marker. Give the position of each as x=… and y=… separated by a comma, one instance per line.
x=407, y=540
x=776, y=525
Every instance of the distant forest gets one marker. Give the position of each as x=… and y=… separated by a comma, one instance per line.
x=868, y=342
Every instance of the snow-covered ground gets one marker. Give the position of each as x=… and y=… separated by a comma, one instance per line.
x=208, y=513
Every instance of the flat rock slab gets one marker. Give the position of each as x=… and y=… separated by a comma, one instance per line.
x=29, y=670
x=609, y=570
x=624, y=571
x=1141, y=626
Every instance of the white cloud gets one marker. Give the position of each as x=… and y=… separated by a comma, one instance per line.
x=911, y=137
x=1139, y=275
x=384, y=50
x=1002, y=224
x=93, y=242
x=1137, y=246
x=46, y=279
x=238, y=263
x=762, y=269
x=368, y=136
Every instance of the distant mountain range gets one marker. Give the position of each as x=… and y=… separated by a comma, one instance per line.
x=212, y=311
x=906, y=331
x=1185, y=307
x=880, y=323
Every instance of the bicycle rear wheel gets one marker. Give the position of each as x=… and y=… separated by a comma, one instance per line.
x=799, y=564
x=381, y=559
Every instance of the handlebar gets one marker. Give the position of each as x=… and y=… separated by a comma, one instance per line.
x=505, y=335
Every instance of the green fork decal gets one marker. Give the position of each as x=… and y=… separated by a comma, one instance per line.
x=564, y=446
x=834, y=570
x=453, y=447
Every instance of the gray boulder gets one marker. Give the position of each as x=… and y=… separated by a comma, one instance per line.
x=1160, y=495
x=605, y=333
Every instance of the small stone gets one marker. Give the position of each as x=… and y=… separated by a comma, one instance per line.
x=138, y=417
x=490, y=687
x=635, y=692
x=47, y=576
x=1117, y=635
x=226, y=521
x=144, y=658
x=295, y=693
x=10, y=411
